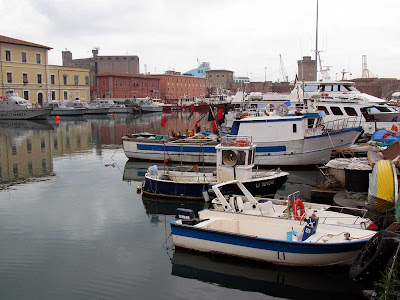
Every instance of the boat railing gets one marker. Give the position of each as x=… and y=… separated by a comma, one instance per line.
x=340, y=124
x=359, y=213
x=236, y=141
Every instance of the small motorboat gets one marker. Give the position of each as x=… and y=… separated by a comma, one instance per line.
x=279, y=241
x=291, y=208
x=235, y=160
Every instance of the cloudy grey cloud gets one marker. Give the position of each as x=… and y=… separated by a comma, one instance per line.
x=243, y=36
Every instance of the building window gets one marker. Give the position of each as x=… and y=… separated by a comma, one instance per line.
x=44, y=166
x=14, y=149
x=26, y=95
x=25, y=78
x=87, y=80
x=9, y=77
x=76, y=79
x=15, y=170
x=29, y=146
x=39, y=78
x=65, y=79
x=65, y=95
x=103, y=82
x=38, y=58
x=120, y=83
x=53, y=79
x=30, y=168
x=42, y=144
x=23, y=57
x=8, y=55
x=53, y=95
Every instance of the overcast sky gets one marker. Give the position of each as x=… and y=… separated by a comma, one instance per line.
x=243, y=36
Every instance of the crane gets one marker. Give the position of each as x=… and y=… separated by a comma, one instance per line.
x=284, y=75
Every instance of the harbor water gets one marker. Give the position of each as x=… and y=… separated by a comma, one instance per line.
x=72, y=225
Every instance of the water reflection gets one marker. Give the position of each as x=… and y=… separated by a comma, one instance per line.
x=156, y=206
x=25, y=150
x=272, y=280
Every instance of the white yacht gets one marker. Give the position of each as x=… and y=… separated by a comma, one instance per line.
x=341, y=99
x=13, y=107
x=338, y=99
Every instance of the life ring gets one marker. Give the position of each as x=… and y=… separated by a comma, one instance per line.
x=298, y=210
x=374, y=256
x=241, y=143
x=245, y=115
x=266, y=112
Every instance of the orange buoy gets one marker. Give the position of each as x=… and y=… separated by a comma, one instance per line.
x=298, y=210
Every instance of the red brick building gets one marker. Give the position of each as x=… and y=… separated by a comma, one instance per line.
x=173, y=85
x=122, y=85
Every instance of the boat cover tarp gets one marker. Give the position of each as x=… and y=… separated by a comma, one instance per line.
x=384, y=136
x=355, y=163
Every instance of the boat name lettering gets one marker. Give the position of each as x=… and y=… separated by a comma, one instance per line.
x=263, y=184
x=183, y=217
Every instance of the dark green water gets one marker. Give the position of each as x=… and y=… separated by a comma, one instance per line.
x=73, y=227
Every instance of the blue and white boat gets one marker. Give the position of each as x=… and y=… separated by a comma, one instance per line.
x=282, y=138
x=280, y=241
x=235, y=160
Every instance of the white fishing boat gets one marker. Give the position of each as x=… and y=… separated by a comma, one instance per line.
x=235, y=160
x=13, y=107
x=59, y=109
x=282, y=138
x=292, y=208
x=279, y=241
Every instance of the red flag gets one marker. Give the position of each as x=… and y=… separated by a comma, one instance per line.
x=214, y=126
x=394, y=128
x=192, y=108
x=220, y=114
x=163, y=121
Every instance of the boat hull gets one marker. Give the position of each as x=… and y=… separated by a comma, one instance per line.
x=67, y=112
x=308, y=151
x=263, y=187
x=120, y=110
x=97, y=111
x=205, y=237
x=25, y=114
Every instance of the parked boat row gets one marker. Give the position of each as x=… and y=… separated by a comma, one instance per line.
x=13, y=107
x=280, y=140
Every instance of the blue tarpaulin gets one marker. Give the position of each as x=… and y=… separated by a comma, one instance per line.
x=384, y=136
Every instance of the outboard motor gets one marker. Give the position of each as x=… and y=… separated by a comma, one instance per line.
x=186, y=215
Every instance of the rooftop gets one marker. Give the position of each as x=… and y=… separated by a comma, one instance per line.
x=8, y=40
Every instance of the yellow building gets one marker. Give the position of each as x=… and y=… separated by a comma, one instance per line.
x=67, y=83
x=24, y=69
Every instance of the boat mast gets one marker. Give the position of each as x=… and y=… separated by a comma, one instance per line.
x=316, y=47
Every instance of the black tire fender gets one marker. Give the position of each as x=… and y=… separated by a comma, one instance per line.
x=374, y=256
